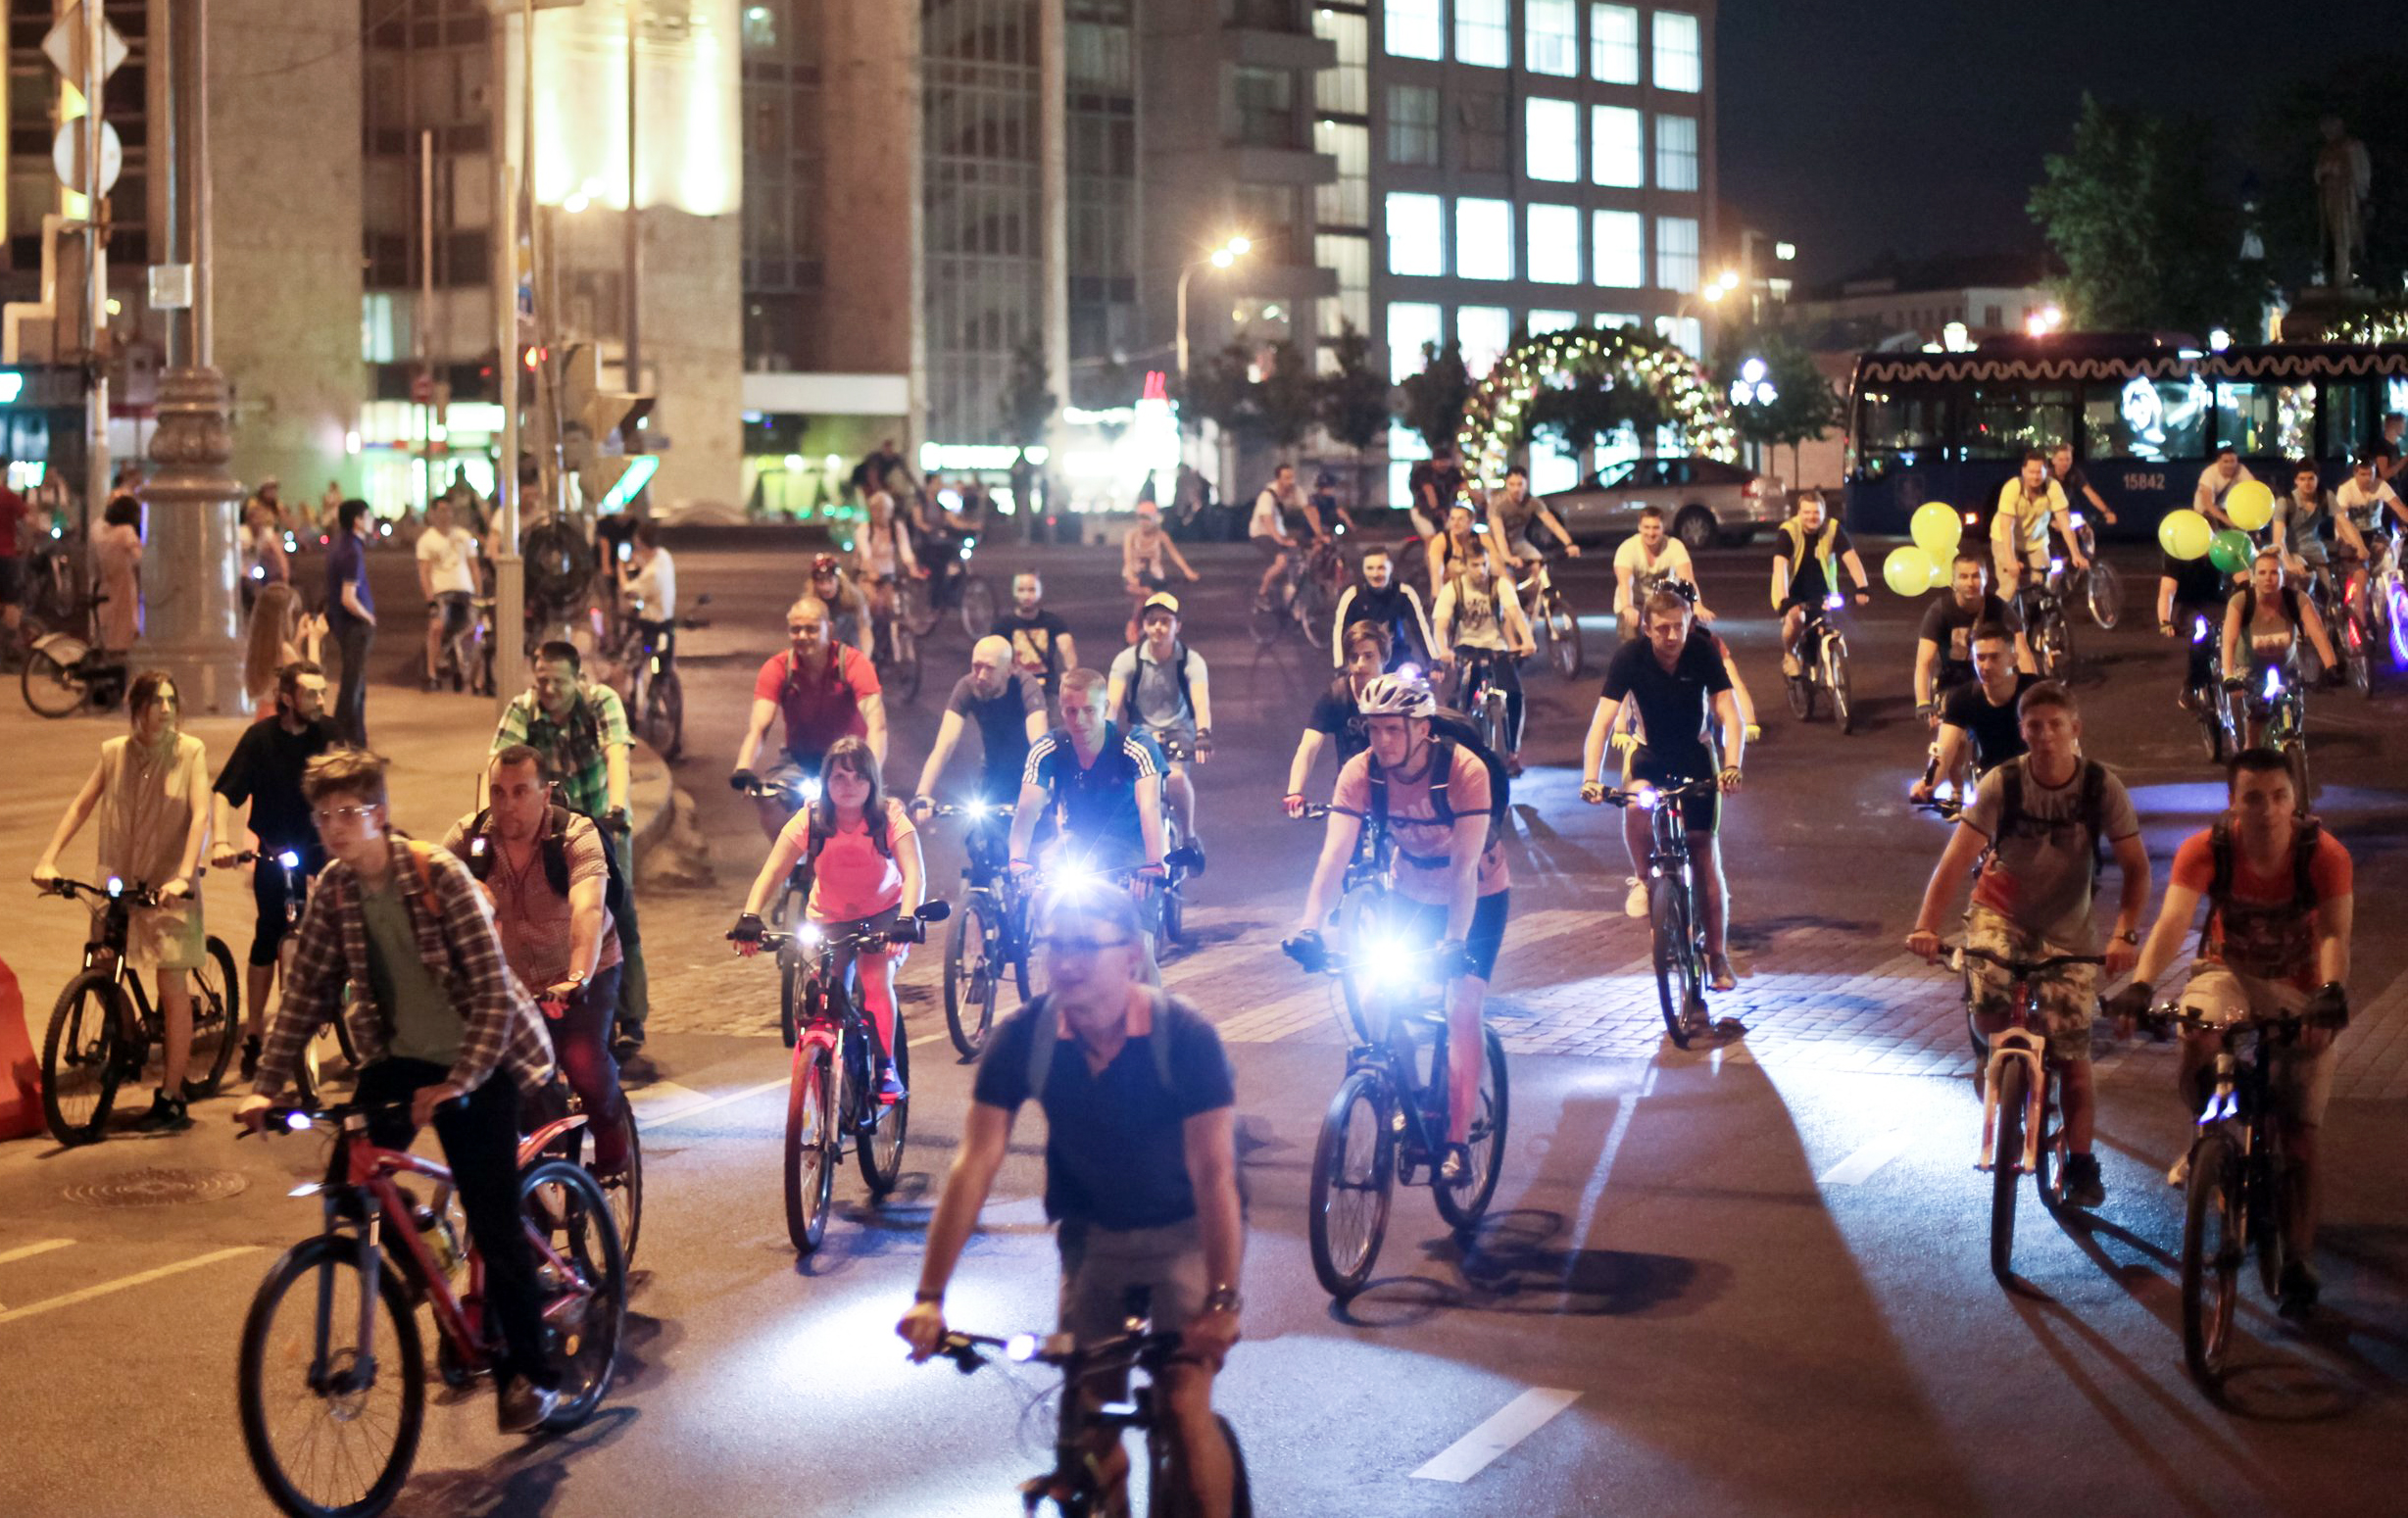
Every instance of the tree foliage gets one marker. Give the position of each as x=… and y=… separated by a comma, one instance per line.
x=1433, y=398
x=1353, y=395
x=2146, y=241
x=1575, y=417
x=1287, y=396
x=1221, y=390
x=1803, y=406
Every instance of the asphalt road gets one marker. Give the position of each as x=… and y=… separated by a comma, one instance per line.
x=1746, y=1279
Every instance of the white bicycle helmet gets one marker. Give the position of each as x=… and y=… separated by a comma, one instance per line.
x=1397, y=695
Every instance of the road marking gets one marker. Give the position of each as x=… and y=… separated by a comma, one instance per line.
x=660, y=1094
x=122, y=1283
x=29, y=1250
x=1858, y=1167
x=683, y=1114
x=1516, y=1421
x=928, y=1038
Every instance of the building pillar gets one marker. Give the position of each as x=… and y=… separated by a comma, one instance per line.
x=193, y=622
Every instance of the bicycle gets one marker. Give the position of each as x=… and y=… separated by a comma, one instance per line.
x=1483, y=697
x=464, y=660
x=1075, y=1486
x=2235, y=1195
x=2204, y=696
x=310, y=1078
x=1551, y=617
x=1389, y=1118
x=622, y=1189
x=1822, y=665
x=2335, y=592
x=103, y=1027
x=2048, y=631
x=1370, y=873
x=893, y=644
x=2023, y=1127
x=2096, y=587
x=332, y=1385
x=830, y=1091
x=68, y=673
x=1676, y=918
x=655, y=696
x=1178, y=859
x=986, y=937
x=951, y=583
x=2279, y=707
x=1304, y=597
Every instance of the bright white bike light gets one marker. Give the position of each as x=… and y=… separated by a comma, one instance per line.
x=1645, y=798
x=1835, y=601
x=290, y=858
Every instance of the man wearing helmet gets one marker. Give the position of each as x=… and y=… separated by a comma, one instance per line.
x=847, y=607
x=1451, y=866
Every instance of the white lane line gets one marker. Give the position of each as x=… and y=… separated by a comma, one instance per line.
x=29, y=1250
x=121, y=1283
x=683, y=1114
x=660, y=1094
x=927, y=1038
x=1516, y=1421
x=1859, y=1167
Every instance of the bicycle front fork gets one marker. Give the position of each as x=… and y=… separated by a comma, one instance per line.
x=2023, y=1047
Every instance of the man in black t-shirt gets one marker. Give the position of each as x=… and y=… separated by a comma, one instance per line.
x=1334, y=717
x=2188, y=589
x=1383, y=597
x=1943, y=647
x=1432, y=485
x=1140, y=1170
x=1010, y=710
x=1677, y=682
x=1041, y=642
x=1979, y=717
x=264, y=773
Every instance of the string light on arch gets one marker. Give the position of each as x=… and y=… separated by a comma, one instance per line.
x=1494, y=424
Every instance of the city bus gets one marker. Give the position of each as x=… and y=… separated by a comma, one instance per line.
x=2144, y=416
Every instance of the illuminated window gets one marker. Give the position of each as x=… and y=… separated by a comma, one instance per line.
x=1614, y=319
x=1680, y=59
x=1483, y=239
x=1676, y=152
x=1613, y=45
x=1410, y=325
x=1416, y=234
x=759, y=29
x=1554, y=244
x=1676, y=252
x=1484, y=32
x=1550, y=37
x=1686, y=333
x=1617, y=153
x=1417, y=28
x=1484, y=332
x=1550, y=140
x=1619, y=249
x=1541, y=323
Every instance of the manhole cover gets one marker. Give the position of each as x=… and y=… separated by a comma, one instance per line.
x=154, y=1185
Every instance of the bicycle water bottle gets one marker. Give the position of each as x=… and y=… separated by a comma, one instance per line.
x=441, y=1239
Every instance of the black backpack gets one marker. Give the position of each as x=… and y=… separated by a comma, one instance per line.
x=1128, y=696
x=555, y=848
x=1449, y=730
x=2305, y=835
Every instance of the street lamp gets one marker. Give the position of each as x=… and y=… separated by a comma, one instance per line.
x=1222, y=257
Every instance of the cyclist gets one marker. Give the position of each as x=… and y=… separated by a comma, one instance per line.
x=2385, y=448
x=264, y=773
x=1010, y=709
x=650, y=587
x=1477, y=623
x=1452, y=552
x=447, y=578
x=1279, y=511
x=2361, y=501
x=824, y=691
x=1102, y=788
x=2216, y=481
x=847, y=607
x=1944, y=646
x=1140, y=1173
x=2027, y=506
x=2188, y=589
x=439, y=1024
x=2280, y=907
x=1676, y=683
x=1336, y=717
x=2306, y=523
x=1451, y=866
x=882, y=556
x=1630, y=734
x=1380, y=598
x=1980, y=715
x=2075, y=484
x=1805, y=548
x=1041, y=641
x=1431, y=487
x=864, y=861
x=151, y=788
x=1648, y=560
x=546, y=878
x=2037, y=823
x=2267, y=617
x=1160, y=688
x=1511, y=510
x=1147, y=556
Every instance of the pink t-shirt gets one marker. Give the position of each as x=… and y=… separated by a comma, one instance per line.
x=852, y=879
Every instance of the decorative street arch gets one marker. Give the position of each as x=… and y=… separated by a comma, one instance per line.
x=1496, y=418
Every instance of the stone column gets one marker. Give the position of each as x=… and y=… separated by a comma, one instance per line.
x=194, y=625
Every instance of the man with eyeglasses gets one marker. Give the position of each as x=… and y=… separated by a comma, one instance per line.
x=824, y=690
x=1139, y=1166
x=439, y=1024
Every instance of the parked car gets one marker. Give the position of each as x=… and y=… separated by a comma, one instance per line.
x=1704, y=501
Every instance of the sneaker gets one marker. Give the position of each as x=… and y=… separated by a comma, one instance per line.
x=627, y=1047
x=523, y=1406
x=890, y=1085
x=2180, y=1176
x=167, y=1115
x=2300, y=1289
x=2188, y=699
x=1192, y=855
x=2084, y=1187
x=250, y=1056
x=195, y=1091
x=1634, y=904
x=1456, y=1167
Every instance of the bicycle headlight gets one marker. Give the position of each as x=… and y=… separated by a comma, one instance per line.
x=2274, y=682
x=117, y=887
x=2198, y=629
x=965, y=553
x=296, y=1121
x=259, y=571
x=1835, y=601
x=1021, y=1348
x=2057, y=567
x=809, y=934
x=2074, y=518
x=805, y=792
x=1645, y=796
x=978, y=809
x=290, y=858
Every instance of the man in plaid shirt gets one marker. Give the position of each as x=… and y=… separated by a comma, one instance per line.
x=443, y=1026
x=581, y=732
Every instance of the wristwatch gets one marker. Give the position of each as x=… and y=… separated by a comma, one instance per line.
x=2128, y=936
x=1223, y=1298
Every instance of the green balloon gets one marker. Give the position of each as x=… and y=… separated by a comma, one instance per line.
x=2230, y=550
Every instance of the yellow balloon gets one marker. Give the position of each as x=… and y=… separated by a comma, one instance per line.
x=1907, y=571
x=2250, y=504
x=1933, y=528
x=1942, y=570
x=2184, y=534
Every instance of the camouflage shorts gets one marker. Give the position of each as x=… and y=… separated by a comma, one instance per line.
x=2068, y=997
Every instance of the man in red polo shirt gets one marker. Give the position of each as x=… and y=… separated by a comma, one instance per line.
x=825, y=691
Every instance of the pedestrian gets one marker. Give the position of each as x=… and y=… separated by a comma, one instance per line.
x=447, y=577
x=350, y=616
x=264, y=773
x=265, y=534
x=581, y=731
x=116, y=562
x=151, y=789
x=330, y=504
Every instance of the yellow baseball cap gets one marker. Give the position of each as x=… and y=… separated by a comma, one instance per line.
x=1164, y=599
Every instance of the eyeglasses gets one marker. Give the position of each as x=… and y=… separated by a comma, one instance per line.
x=327, y=817
x=1060, y=944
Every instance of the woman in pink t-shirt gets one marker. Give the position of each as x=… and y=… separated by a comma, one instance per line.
x=867, y=877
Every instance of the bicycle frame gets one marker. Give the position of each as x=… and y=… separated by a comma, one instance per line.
x=1378, y=1033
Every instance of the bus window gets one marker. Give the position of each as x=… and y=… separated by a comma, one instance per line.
x=2245, y=416
x=2347, y=418
x=2156, y=419
x=1901, y=419
x=2005, y=420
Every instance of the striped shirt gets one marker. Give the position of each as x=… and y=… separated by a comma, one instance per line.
x=1097, y=805
x=577, y=746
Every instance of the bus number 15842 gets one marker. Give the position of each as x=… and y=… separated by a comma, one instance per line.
x=2136, y=481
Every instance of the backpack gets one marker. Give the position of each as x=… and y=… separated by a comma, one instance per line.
x=1045, y=1034
x=2090, y=811
x=2305, y=835
x=1449, y=730
x=1128, y=695
x=2249, y=606
x=554, y=844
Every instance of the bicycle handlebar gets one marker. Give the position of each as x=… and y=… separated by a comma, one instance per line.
x=1314, y=812
x=133, y=895
x=1145, y=1346
x=2024, y=968
x=1647, y=794
x=976, y=811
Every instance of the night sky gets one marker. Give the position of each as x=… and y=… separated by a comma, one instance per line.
x=1852, y=126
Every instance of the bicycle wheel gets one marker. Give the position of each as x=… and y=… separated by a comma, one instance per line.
x=2268, y=1198
x=2107, y=595
x=811, y=1146
x=879, y=1150
x=51, y=681
x=664, y=715
x=790, y=995
x=625, y=1190
x=583, y=1265
x=322, y=1444
x=217, y=1017
x=903, y=677
x=2007, y=1167
x=1462, y=1202
x=2048, y=1168
x=1668, y=918
x=1800, y=691
x=1835, y=675
x=1564, y=649
x=970, y=973
x=2211, y=725
x=84, y=1058
x=977, y=607
x=2214, y=1240
x=1353, y=1176
x=919, y=613
x=1265, y=621
x=1312, y=611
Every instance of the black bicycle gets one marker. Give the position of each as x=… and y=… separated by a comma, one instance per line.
x=1676, y=913
x=2204, y=696
x=1483, y=699
x=2276, y=705
x=313, y=1074
x=2048, y=631
x=986, y=940
x=655, y=696
x=103, y=1027
x=1822, y=665
x=1075, y=1486
x=1390, y=1116
x=67, y=672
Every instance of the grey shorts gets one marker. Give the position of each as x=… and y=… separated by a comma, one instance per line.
x=1099, y=1266
x=2302, y=1078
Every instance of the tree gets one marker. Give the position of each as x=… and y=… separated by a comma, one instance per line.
x=1433, y=399
x=1577, y=417
x=1352, y=400
x=1028, y=404
x=1287, y=397
x=1221, y=390
x=2146, y=243
x=1803, y=405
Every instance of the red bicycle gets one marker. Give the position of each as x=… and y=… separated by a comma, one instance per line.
x=331, y=1402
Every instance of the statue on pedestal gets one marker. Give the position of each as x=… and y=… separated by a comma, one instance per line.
x=2344, y=176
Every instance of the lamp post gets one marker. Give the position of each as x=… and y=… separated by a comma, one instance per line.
x=1222, y=257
